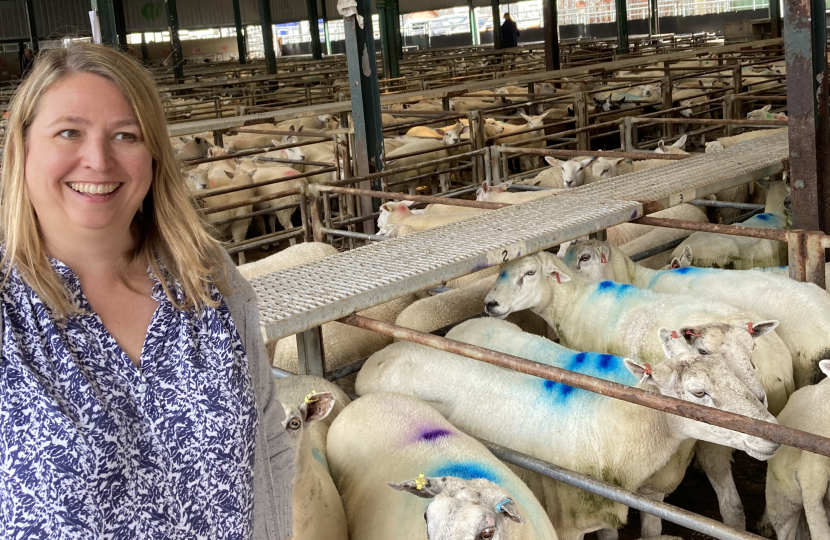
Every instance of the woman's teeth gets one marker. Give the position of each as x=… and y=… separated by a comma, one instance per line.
x=95, y=189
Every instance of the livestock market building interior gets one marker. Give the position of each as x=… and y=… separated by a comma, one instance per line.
x=597, y=256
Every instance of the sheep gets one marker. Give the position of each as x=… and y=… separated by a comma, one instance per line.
x=394, y=438
x=320, y=122
x=726, y=142
x=397, y=142
x=623, y=233
x=291, y=256
x=457, y=305
x=750, y=290
x=344, y=344
x=561, y=174
x=764, y=114
x=397, y=219
x=541, y=411
x=528, y=162
x=317, y=510
x=743, y=253
x=195, y=148
x=450, y=137
x=274, y=172
x=798, y=480
x=235, y=229
x=499, y=194
x=676, y=148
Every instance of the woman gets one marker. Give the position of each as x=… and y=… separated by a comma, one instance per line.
x=136, y=400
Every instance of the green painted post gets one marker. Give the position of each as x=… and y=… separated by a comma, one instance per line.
x=475, y=38
x=325, y=16
x=622, y=26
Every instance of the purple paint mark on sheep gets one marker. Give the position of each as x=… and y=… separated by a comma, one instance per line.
x=432, y=434
x=634, y=214
x=478, y=267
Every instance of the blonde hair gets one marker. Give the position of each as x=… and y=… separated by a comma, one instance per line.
x=171, y=238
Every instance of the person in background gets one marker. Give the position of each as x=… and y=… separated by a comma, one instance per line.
x=28, y=63
x=136, y=396
x=509, y=32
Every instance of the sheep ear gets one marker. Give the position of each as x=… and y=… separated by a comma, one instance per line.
x=465, y=129
x=407, y=203
x=824, y=366
x=674, y=343
x=526, y=117
x=661, y=145
x=686, y=257
x=675, y=264
x=763, y=328
x=681, y=142
x=230, y=174
x=553, y=162
x=587, y=161
x=642, y=371
x=317, y=405
x=426, y=488
x=618, y=160
x=508, y=508
x=439, y=131
x=507, y=184
x=544, y=114
x=766, y=108
x=550, y=268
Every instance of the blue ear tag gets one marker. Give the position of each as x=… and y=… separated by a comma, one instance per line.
x=500, y=505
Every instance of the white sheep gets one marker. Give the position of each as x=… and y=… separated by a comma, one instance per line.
x=541, y=411
x=499, y=194
x=624, y=233
x=740, y=252
x=527, y=161
x=237, y=229
x=291, y=256
x=397, y=219
x=764, y=114
x=434, y=149
x=756, y=292
x=726, y=142
x=268, y=173
x=395, y=438
x=798, y=480
x=676, y=148
x=459, y=304
x=317, y=511
x=194, y=148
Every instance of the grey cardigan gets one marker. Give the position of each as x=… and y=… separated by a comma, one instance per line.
x=274, y=460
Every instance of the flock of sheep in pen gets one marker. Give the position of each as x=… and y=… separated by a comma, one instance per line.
x=715, y=322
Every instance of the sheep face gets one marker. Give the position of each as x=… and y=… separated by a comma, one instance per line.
x=764, y=114
x=605, y=168
x=707, y=380
x=714, y=147
x=678, y=146
x=524, y=284
x=494, y=125
x=463, y=509
x=486, y=191
x=197, y=179
x=535, y=121
x=650, y=90
x=573, y=172
x=317, y=406
x=590, y=259
x=452, y=135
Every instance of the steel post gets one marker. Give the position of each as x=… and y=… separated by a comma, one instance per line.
x=120, y=23
x=622, y=26
x=145, y=51
x=106, y=18
x=804, y=44
x=30, y=18
x=494, y=6
x=775, y=18
x=365, y=97
x=310, y=353
x=654, y=17
x=314, y=29
x=325, y=16
x=386, y=19
x=267, y=36
x=550, y=21
x=240, y=33
x=396, y=26
x=175, y=42
x=475, y=38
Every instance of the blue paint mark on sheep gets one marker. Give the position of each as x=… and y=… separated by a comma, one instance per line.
x=503, y=275
x=605, y=361
x=763, y=217
x=617, y=289
x=320, y=459
x=467, y=470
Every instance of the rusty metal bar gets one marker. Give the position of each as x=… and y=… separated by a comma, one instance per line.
x=612, y=154
x=248, y=202
x=717, y=228
x=203, y=194
x=765, y=430
x=709, y=121
x=417, y=198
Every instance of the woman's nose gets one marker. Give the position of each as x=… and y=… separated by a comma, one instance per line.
x=97, y=153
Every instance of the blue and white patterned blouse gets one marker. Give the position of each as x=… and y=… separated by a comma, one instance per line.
x=92, y=447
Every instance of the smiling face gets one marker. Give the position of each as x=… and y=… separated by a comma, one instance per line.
x=87, y=165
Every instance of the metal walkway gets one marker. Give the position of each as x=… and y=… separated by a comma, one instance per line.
x=300, y=298
x=200, y=126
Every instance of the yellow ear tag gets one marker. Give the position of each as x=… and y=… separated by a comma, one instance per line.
x=310, y=399
x=420, y=482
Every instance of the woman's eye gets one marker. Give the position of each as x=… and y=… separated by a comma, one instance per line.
x=126, y=137
x=70, y=134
